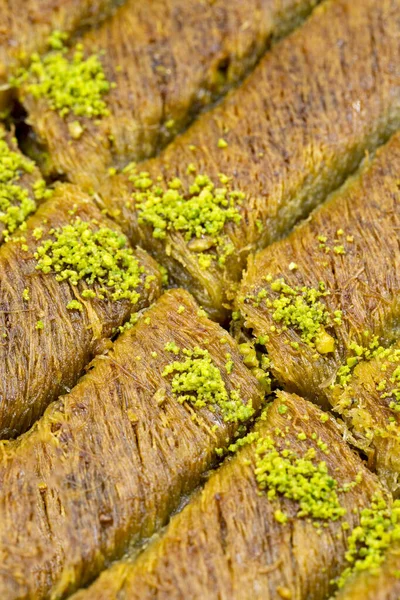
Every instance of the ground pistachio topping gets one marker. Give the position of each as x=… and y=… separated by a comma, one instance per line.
x=390, y=385
x=367, y=544
x=300, y=308
x=337, y=241
x=198, y=381
x=133, y=319
x=15, y=202
x=386, y=377
x=71, y=84
x=299, y=478
x=247, y=439
x=75, y=305
x=164, y=275
x=83, y=251
x=200, y=211
x=358, y=353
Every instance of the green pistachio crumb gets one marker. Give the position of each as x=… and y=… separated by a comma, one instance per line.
x=338, y=317
x=39, y=325
x=147, y=282
x=133, y=319
x=222, y=143
x=324, y=343
x=301, y=309
x=379, y=527
x=224, y=179
x=243, y=441
x=164, y=275
x=75, y=305
x=322, y=446
x=82, y=251
x=73, y=84
x=57, y=39
x=280, y=516
x=298, y=478
x=390, y=384
x=129, y=168
x=25, y=294
x=229, y=363
x=368, y=352
x=339, y=250
x=88, y=294
x=172, y=347
x=260, y=225
x=204, y=260
x=200, y=211
x=198, y=381
x=37, y=233
x=41, y=191
x=15, y=202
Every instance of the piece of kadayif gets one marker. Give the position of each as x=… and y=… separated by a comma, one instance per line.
x=106, y=465
x=249, y=169
x=327, y=296
x=68, y=281
x=25, y=26
x=138, y=80
x=22, y=187
x=381, y=581
x=272, y=523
